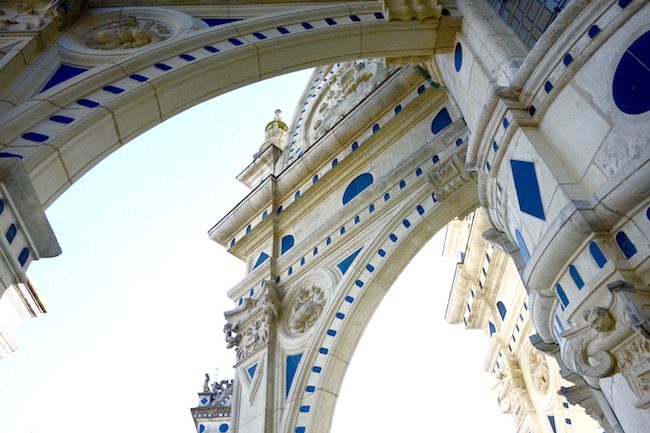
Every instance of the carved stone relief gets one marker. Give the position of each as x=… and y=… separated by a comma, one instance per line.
x=539, y=373
x=347, y=87
x=128, y=32
x=407, y=10
x=306, y=309
x=634, y=362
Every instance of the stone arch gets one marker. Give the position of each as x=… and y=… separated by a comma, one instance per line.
x=117, y=101
x=360, y=293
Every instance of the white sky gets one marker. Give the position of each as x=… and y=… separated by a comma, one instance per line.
x=136, y=300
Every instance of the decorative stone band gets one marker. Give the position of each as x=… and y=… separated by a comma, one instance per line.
x=407, y=10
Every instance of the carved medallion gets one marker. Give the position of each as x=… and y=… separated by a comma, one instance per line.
x=306, y=309
x=539, y=374
x=128, y=32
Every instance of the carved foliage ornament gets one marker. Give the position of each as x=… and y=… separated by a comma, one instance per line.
x=126, y=33
x=538, y=371
x=306, y=309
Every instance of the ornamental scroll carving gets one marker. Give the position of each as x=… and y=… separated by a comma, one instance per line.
x=306, y=309
x=249, y=326
x=407, y=10
x=128, y=32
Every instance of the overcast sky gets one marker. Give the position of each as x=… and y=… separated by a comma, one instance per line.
x=135, y=303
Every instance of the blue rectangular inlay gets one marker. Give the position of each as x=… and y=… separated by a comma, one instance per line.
x=324, y=350
x=349, y=299
x=187, y=57
x=35, y=136
x=61, y=119
x=113, y=89
x=316, y=369
x=211, y=49
x=259, y=35
x=304, y=409
x=340, y=316
x=162, y=66
x=236, y=42
x=88, y=103
x=331, y=333
x=138, y=77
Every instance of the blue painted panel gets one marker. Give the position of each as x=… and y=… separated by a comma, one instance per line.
x=300, y=430
x=458, y=57
x=492, y=328
x=24, y=255
x=597, y=254
x=625, y=244
x=551, y=420
x=330, y=21
x=61, y=119
x=212, y=22
x=286, y=243
x=261, y=259
x=502, y=310
x=441, y=121
x=11, y=233
x=347, y=262
x=527, y=187
x=139, y=78
x=402, y=184
x=523, y=249
x=63, y=73
x=562, y=295
x=575, y=275
x=631, y=85
x=292, y=366
x=35, y=137
x=357, y=185
x=251, y=370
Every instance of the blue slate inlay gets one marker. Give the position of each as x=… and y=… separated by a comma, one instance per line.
x=61, y=119
x=223, y=428
x=421, y=89
x=203, y=401
x=355, y=146
x=315, y=251
x=631, y=85
x=300, y=430
x=402, y=184
x=316, y=369
x=292, y=366
x=506, y=123
x=418, y=172
x=458, y=57
x=24, y=255
x=139, y=78
x=493, y=328
x=304, y=409
x=328, y=240
x=381, y=252
x=488, y=166
x=375, y=128
x=163, y=67
x=330, y=21
x=532, y=110
x=331, y=333
x=302, y=261
x=212, y=22
x=324, y=350
x=187, y=57
x=623, y=3
x=290, y=271
x=342, y=230
x=345, y=264
x=232, y=242
x=113, y=89
x=593, y=31
x=340, y=316
x=359, y=283
x=314, y=180
x=357, y=185
x=88, y=103
x=420, y=209
x=495, y=146
x=522, y=246
x=625, y=244
x=63, y=73
x=279, y=211
x=597, y=254
x=575, y=275
x=11, y=233
x=35, y=136
x=283, y=30
x=261, y=259
x=357, y=219
x=307, y=26
x=434, y=198
x=548, y=86
x=201, y=426
x=551, y=420
x=265, y=215
x=406, y=223
x=562, y=295
x=393, y=237
x=310, y=388
x=211, y=49
x=441, y=121
x=568, y=59
x=527, y=188
x=386, y=197
x=379, y=15
x=355, y=18
x=259, y=35
x=286, y=243
x=435, y=159
x=459, y=142
x=236, y=42
x=502, y=310
x=398, y=109
x=370, y=267
x=251, y=370
x=335, y=162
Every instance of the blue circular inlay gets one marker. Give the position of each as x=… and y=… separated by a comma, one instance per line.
x=631, y=85
x=223, y=428
x=458, y=57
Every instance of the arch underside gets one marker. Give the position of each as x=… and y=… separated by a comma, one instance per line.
x=199, y=66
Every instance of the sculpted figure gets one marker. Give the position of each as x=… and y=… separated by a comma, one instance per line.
x=232, y=338
x=599, y=319
x=206, y=383
x=306, y=309
x=126, y=33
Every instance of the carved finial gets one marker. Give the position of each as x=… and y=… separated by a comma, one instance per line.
x=278, y=113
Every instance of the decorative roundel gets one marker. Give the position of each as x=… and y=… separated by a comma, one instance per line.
x=223, y=428
x=458, y=57
x=201, y=428
x=631, y=85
